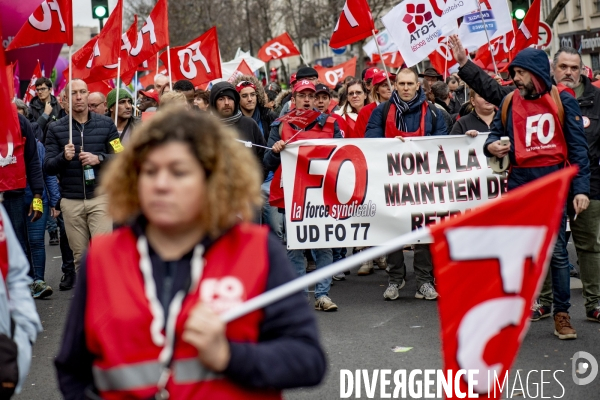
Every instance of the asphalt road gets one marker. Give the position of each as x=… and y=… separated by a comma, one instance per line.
x=361, y=335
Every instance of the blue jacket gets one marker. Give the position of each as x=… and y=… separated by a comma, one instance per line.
x=412, y=118
x=536, y=61
x=51, y=193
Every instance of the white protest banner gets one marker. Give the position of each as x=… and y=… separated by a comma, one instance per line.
x=416, y=25
x=385, y=43
x=497, y=22
x=363, y=192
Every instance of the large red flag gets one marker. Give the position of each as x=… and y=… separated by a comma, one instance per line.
x=198, y=61
x=31, y=93
x=500, y=48
x=280, y=47
x=153, y=37
x=355, y=23
x=51, y=22
x=336, y=74
x=127, y=39
x=12, y=165
x=529, y=29
x=242, y=69
x=392, y=60
x=442, y=59
x=93, y=61
x=499, y=254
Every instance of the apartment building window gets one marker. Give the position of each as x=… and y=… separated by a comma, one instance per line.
x=546, y=8
x=563, y=14
x=597, y=8
x=577, y=6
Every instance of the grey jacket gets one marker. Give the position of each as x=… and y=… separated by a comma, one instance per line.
x=20, y=307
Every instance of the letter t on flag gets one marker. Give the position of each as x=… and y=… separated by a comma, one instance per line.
x=499, y=255
x=355, y=23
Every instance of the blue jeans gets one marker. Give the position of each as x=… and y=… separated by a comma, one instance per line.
x=14, y=203
x=68, y=260
x=266, y=208
x=559, y=267
x=339, y=253
x=277, y=222
x=51, y=225
x=36, y=232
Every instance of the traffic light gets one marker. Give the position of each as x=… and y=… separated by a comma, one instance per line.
x=100, y=9
x=519, y=9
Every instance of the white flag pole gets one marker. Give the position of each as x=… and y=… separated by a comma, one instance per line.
x=169, y=62
x=69, y=85
x=382, y=61
x=157, y=60
x=487, y=37
x=118, y=85
x=345, y=264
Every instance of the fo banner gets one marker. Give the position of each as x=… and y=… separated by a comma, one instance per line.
x=363, y=192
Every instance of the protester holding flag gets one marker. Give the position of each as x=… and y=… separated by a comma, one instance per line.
x=44, y=107
x=356, y=98
x=319, y=126
x=380, y=92
x=186, y=192
x=554, y=144
x=126, y=121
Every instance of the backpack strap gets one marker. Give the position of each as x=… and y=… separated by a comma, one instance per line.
x=504, y=115
x=434, y=117
x=386, y=111
x=561, y=111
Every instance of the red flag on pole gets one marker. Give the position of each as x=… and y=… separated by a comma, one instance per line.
x=198, y=61
x=151, y=38
x=280, y=47
x=392, y=60
x=31, y=93
x=10, y=77
x=127, y=39
x=336, y=74
x=355, y=23
x=505, y=246
x=529, y=29
x=51, y=22
x=242, y=69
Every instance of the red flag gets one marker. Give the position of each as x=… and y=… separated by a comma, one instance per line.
x=198, y=61
x=10, y=77
x=94, y=61
x=149, y=64
x=153, y=37
x=127, y=39
x=355, y=23
x=242, y=69
x=31, y=93
x=336, y=74
x=500, y=48
x=442, y=58
x=505, y=246
x=392, y=60
x=102, y=87
x=51, y=22
x=529, y=29
x=280, y=47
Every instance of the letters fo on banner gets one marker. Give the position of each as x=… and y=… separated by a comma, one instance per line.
x=363, y=192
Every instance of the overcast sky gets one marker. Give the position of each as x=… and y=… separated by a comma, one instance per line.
x=83, y=12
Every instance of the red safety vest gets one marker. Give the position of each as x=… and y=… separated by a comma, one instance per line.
x=538, y=134
x=287, y=132
x=12, y=166
x=390, y=124
x=3, y=251
x=121, y=327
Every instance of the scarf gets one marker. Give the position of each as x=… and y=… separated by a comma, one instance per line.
x=256, y=117
x=233, y=119
x=402, y=107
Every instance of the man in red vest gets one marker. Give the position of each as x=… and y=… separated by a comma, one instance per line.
x=323, y=127
x=546, y=133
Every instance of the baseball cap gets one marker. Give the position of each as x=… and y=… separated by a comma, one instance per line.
x=303, y=85
x=320, y=88
x=371, y=73
x=152, y=94
x=381, y=76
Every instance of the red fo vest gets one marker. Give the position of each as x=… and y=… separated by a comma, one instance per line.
x=538, y=135
x=12, y=166
x=3, y=251
x=118, y=316
x=326, y=132
x=390, y=124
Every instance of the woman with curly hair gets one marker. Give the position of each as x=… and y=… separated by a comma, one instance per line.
x=145, y=317
x=356, y=97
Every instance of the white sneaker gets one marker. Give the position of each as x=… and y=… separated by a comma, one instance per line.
x=427, y=292
x=392, y=292
x=324, y=303
x=366, y=268
x=381, y=262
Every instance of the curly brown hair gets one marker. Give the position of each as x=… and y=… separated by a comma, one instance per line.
x=260, y=90
x=233, y=176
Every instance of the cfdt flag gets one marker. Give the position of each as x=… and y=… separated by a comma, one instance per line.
x=280, y=47
x=355, y=23
x=336, y=74
x=199, y=61
x=51, y=22
x=499, y=254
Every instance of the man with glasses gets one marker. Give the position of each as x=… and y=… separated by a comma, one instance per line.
x=304, y=73
x=323, y=127
x=97, y=103
x=44, y=107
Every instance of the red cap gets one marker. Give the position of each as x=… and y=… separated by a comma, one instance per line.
x=371, y=73
x=293, y=79
x=303, y=84
x=381, y=76
x=244, y=84
x=152, y=94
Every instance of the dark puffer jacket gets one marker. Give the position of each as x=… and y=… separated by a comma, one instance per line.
x=97, y=134
x=37, y=112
